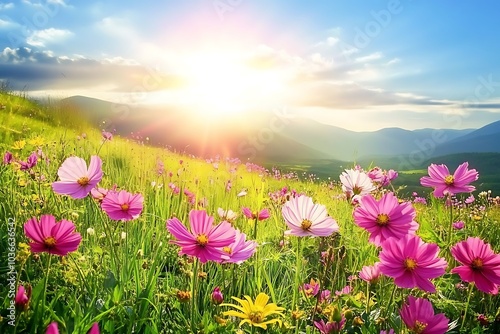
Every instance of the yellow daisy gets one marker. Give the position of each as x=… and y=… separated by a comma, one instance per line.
x=19, y=145
x=37, y=141
x=255, y=313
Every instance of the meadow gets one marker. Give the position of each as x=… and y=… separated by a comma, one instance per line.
x=120, y=270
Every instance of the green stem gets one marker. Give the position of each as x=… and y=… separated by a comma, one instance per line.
x=391, y=299
x=44, y=295
x=450, y=229
x=193, y=295
x=298, y=266
x=367, y=298
x=471, y=287
x=256, y=223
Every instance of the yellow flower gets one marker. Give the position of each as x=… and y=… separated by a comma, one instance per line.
x=37, y=141
x=255, y=314
x=19, y=145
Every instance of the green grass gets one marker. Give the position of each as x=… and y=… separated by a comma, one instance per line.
x=132, y=284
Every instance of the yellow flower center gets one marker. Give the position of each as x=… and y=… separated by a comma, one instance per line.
x=83, y=181
x=410, y=264
x=477, y=264
x=419, y=327
x=125, y=206
x=357, y=190
x=255, y=317
x=227, y=250
x=449, y=180
x=306, y=224
x=49, y=242
x=382, y=219
x=202, y=239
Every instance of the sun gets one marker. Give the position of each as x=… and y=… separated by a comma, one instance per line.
x=218, y=84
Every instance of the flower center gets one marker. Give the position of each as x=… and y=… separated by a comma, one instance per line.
x=49, y=242
x=382, y=219
x=202, y=239
x=477, y=264
x=410, y=264
x=356, y=190
x=124, y=206
x=306, y=224
x=227, y=250
x=449, y=180
x=419, y=327
x=83, y=181
x=255, y=317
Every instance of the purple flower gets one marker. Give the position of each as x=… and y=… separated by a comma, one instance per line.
x=445, y=183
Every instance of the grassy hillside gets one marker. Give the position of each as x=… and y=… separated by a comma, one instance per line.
x=128, y=276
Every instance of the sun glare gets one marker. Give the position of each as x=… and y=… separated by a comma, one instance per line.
x=219, y=84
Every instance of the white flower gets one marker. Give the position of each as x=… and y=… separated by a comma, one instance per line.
x=90, y=231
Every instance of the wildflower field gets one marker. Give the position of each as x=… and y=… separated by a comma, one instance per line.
x=102, y=234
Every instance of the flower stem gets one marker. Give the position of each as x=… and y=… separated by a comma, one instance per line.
x=450, y=229
x=255, y=224
x=298, y=266
x=367, y=298
x=193, y=295
x=44, y=295
x=471, y=286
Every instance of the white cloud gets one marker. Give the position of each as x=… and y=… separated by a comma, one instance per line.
x=9, y=5
x=48, y=36
x=370, y=57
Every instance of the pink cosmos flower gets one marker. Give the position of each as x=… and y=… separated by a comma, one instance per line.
x=304, y=218
x=370, y=274
x=52, y=328
x=356, y=182
x=345, y=291
x=107, y=135
x=30, y=163
x=8, y=158
x=261, y=215
x=418, y=315
x=241, y=249
x=310, y=289
x=388, y=331
x=76, y=180
x=99, y=193
x=330, y=327
x=458, y=225
x=22, y=297
x=479, y=264
x=446, y=184
x=228, y=215
x=204, y=241
x=411, y=262
x=385, y=218
x=122, y=205
x=54, y=238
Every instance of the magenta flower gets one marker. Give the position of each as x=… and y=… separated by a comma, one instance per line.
x=94, y=329
x=54, y=238
x=204, y=241
x=261, y=215
x=418, y=315
x=217, y=296
x=479, y=264
x=30, y=162
x=304, y=218
x=122, y=205
x=310, y=289
x=388, y=331
x=385, y=218
x=330, y=327
x=458, y=225
x=99, y=193
x=52, y=328
x=22, y=297
x=76, y=180
x=356, y=182
x=411, y=262
x=7, y=158
x=370, y=274
x=241, y=249
x=446, y=184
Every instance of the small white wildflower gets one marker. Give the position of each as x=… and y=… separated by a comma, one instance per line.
x=90, y=231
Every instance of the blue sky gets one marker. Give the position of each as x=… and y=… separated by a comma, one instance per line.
x=362, y=65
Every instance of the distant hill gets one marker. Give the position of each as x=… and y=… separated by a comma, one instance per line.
x=484, y=139
x=259, y=137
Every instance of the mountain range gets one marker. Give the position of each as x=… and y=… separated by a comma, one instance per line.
x=279, y=137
